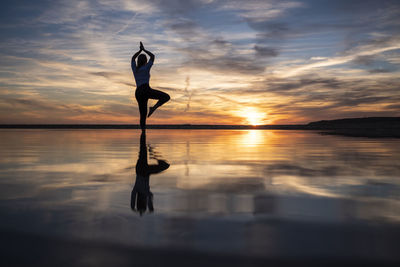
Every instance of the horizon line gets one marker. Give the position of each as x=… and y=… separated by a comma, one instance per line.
x=365, y=122
x=152, y=126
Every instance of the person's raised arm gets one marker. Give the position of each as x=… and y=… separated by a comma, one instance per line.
x=151, y=55
x=133, y=62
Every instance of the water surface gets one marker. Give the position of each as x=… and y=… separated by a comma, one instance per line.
x=259, y=193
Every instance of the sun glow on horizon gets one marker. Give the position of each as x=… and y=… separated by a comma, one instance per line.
x=253, y=116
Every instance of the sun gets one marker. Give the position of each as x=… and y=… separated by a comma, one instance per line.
x=253, y=116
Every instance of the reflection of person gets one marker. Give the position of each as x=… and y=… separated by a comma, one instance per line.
x=141, y=197
x=143, y=92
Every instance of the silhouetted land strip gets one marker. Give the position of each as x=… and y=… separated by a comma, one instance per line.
x=362, y=127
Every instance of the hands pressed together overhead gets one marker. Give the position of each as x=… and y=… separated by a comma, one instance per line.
x=141, y=48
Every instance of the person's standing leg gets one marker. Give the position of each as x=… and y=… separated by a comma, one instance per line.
x=142, y=102
x=143, y=113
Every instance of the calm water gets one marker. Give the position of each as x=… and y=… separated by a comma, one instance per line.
x=259, y=193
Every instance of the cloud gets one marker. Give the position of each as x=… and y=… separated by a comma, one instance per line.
x=105, y=74
x=362, y=52
x=184, y=27
x=294, y=60
x=226, y=64
x=283, y=86
x=366, y=60
x=178, y=7
x=260, y=11
x=219, y=42
x=265, y=51
x=54, y=111
x=373, y=71
x=393, y=107
x=188, y=93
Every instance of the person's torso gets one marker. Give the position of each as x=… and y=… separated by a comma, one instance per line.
x=142, y=75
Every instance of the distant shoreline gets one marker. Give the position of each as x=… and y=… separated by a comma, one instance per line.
x=357, y=127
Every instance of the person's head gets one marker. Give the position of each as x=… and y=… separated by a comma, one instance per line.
x=142, y=60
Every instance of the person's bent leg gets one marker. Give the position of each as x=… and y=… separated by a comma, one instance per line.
x=162, y=99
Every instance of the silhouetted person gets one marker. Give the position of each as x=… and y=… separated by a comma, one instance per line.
x=141, y=71
x=141, y=196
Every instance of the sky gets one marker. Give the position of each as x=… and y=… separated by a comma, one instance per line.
x=222, y=62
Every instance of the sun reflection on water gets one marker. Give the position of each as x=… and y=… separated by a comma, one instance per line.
x=253, y=138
